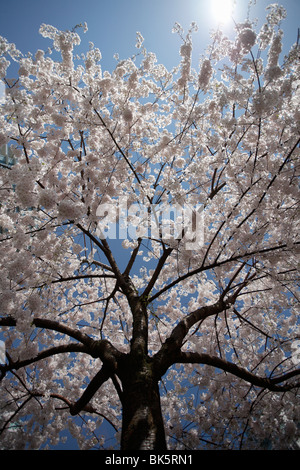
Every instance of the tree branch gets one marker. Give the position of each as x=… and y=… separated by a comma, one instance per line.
x=52, y=325
x=100, y=378
x=165, y=357
x=102, y=349
x=78, y=277
x=65, y=348
x=87, y=408
x=217, y=264
x=157, y=271
x=107, y=251
x=132, y=258
x=264, y=382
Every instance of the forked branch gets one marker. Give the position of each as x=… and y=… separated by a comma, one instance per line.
x=264, y=382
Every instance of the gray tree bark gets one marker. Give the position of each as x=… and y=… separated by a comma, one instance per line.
x=142, y=423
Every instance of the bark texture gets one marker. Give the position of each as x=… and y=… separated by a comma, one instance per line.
x=142, y=424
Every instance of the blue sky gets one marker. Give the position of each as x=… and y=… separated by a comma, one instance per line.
x=113, y=23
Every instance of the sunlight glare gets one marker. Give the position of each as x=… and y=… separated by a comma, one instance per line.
x=222, y=10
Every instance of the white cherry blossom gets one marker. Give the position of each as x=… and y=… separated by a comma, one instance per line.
x=168, y=343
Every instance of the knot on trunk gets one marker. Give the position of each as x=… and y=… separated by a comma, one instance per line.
x=105, y=351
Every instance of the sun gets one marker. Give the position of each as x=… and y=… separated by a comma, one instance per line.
x=222, y=10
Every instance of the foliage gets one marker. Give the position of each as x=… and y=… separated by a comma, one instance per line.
x=225, y=138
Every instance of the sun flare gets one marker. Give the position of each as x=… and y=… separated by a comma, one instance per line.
x=222, y=10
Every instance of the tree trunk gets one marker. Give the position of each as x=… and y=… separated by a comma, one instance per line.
x=142, y=424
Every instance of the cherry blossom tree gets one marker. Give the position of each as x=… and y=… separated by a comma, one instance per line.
x=183, y=333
